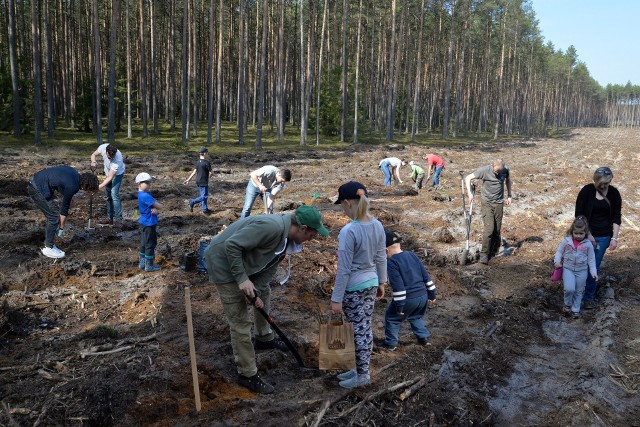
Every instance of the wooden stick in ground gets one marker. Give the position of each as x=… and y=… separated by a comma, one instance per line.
x=413, y=389
x=192, y=348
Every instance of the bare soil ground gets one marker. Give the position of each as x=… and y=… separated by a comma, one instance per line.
x=501, y=351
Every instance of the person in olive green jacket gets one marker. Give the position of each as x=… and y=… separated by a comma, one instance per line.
x=241, y=262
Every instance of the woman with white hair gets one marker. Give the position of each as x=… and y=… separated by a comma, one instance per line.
x=601, y=204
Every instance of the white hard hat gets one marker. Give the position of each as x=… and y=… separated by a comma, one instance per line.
x=143, y=177
x=412, y=163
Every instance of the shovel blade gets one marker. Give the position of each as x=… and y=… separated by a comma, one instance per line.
x=464, y=257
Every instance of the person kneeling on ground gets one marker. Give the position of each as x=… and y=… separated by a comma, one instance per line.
x=241, y=261
x=42, y=187
x=413, y=292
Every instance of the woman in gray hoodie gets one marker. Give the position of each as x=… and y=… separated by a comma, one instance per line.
x=576, y=256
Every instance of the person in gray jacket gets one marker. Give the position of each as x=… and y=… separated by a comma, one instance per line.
x=241, y=262
x=576, y=256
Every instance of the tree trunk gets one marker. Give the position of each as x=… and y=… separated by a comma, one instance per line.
x=343, y=79
x=111, y=112
x=185, y=72
x=37, y=82
x=98, y=74
x=241, y=72
x=194, y=69
x=391, y=78
x=219, y=72
x=212, y=32
x=143, y=73
x=263, y=72
x=303, y=135
x=49, y=55
x=128, y=53
x=496, y=122
x=418, y=83
x=447, y=87
x=153, y=86
x=324, y=20
x=280, y=81
x=13, y=60
x=355, y=96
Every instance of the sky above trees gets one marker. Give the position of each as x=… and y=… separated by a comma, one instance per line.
x=605, y=34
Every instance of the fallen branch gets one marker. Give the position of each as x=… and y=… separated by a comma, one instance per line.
x=376, y=394
x=413, y=389
x=136, y=340
x=50, y=376
x=85, y=353
x=635, y=227
x=6, y=409
x=323, y=410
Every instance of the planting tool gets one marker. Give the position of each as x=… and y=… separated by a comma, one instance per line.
x=264, y=199
x=467, y=219
x=281, y=334
x=192, y=348
x=89, y=227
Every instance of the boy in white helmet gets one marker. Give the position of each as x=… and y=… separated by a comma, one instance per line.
x=148, y=208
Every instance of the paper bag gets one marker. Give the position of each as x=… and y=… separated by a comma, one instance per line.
x=337, y=348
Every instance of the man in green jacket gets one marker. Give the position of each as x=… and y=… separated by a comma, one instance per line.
x=241, y=262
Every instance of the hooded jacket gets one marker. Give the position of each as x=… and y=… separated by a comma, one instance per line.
x=576, y=258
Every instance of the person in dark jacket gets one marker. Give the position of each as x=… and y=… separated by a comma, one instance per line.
x=202, y=173
x=413, y=291
x=601, y=204
x=42, y=187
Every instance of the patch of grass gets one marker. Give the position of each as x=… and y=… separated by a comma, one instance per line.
x=72, y=143
x=102, y=331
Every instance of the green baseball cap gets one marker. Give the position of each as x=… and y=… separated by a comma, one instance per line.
x=310, y=216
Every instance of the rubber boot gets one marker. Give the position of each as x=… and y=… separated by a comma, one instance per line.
x=150, y=265
x=142, y=262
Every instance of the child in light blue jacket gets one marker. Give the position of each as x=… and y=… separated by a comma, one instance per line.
x=576, y=256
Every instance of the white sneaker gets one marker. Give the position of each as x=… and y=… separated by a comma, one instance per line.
x=53, y=252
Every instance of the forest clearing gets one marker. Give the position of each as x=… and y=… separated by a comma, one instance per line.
x=92, y=340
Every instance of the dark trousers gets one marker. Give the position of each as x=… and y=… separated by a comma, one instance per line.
x=492, y=220
x=50, y=211
x=148, y=241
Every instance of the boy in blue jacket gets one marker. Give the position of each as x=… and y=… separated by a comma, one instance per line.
x=148, y=220
x=413, y=291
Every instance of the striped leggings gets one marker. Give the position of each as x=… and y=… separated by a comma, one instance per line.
x=358, y=309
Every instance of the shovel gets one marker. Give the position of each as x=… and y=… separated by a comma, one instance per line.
x=467, y=219
x=89, y=227
x=281, y=334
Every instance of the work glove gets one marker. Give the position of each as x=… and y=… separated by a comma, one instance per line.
x=60, y=232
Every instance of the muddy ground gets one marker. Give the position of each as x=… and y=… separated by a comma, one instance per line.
x=90, y=340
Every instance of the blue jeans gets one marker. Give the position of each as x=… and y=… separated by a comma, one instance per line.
x=204, y=195
x=387, y=173
x=602, y=243
x=436, y=175
x=250, y=197
x=414, y=311
x=114, y=205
